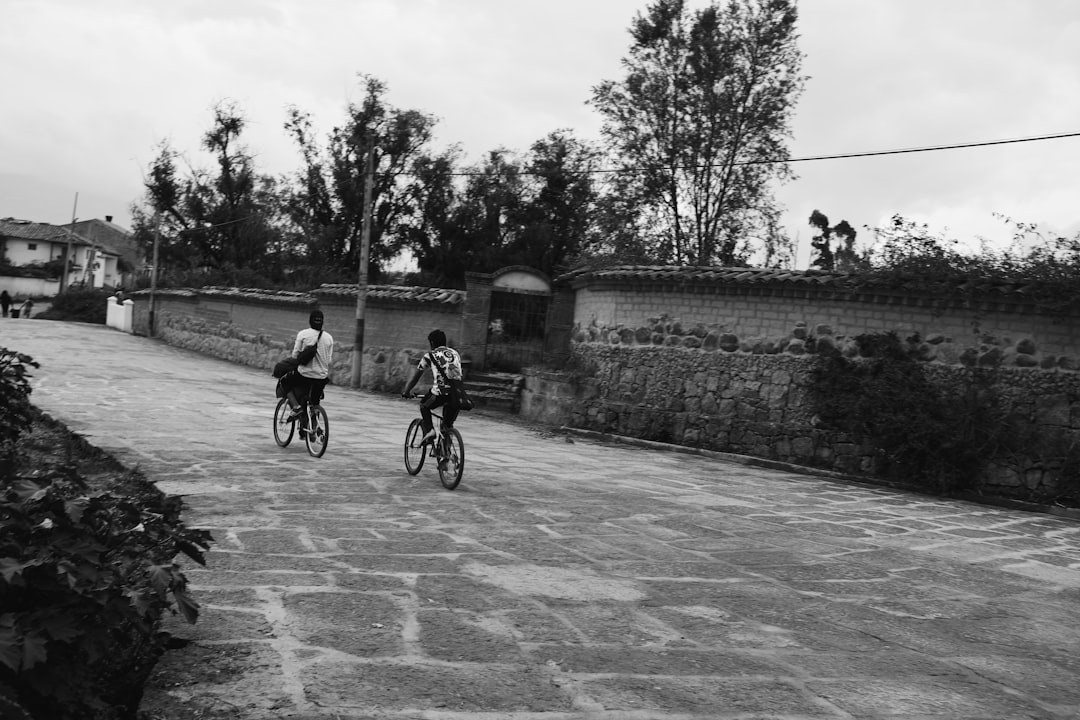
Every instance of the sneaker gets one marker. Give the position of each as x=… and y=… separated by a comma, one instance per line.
x=295, y=415
x=429, y=437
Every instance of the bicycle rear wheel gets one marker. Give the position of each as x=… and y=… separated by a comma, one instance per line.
x=318, y=432
x=414, y=451
x=452, y=464
x=283, y=429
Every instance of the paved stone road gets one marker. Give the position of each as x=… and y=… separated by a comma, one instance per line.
x=566, y=578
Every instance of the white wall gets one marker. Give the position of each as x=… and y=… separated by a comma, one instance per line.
x=21, y=287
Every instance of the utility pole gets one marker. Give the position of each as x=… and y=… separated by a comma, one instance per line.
x=64, y=272
x=365, y=248
x=153, y=271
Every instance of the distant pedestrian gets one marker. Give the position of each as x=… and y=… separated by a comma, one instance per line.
x=5, y=302
x=27, y=307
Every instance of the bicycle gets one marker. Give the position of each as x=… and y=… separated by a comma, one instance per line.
x=448, y=449
x=316, y=435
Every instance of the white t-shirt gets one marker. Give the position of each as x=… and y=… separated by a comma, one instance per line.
x=449, y=361
x=319, y=367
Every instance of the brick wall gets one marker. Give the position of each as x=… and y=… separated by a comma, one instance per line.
x=770, y=313
x=257, y=331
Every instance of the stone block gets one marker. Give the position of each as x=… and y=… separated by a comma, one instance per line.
x=992, y=357
x=1026, y=361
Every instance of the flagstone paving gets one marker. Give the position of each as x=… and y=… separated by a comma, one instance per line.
x=566, y=578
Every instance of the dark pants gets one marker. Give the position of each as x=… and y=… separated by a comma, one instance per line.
x=432, y=401
x=304, y=390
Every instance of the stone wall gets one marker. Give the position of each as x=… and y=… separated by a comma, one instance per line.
x=762, y=305
x=699, y=387
x=257, y=328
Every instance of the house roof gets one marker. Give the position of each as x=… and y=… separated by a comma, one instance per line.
x=110, y=236
x=27, y=230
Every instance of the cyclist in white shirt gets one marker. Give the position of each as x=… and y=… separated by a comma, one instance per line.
x=308, y=383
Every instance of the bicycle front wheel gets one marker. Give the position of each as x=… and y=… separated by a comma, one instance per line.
x=414, y=451
x=318, y=432
x=452, y=464
x=283, y=429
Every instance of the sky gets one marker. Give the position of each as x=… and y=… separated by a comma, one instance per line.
x=90, y=88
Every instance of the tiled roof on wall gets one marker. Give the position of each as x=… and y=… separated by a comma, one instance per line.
x=285, y=297
x=777, y=278
x=689, y=273
x=396, y=293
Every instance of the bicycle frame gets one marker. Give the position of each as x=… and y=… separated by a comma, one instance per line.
x=447, y=448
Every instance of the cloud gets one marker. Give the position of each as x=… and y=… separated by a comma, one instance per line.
x=90, y=89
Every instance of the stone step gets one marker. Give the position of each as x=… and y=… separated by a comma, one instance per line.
x=495, y=390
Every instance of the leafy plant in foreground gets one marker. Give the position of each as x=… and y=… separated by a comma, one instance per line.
x=14, y=402
x=86, y=573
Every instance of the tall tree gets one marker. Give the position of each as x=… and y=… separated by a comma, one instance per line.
x=213, y=220
x=328, y=193
x=831, y=256
x=228, y=205
x=557, y=219
x=433, y=231
x=698, y=125
x=490, y=208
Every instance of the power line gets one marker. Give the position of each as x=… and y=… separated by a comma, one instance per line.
x=775, y=161
x=929, y=148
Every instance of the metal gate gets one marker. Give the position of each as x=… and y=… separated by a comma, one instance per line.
x=516, y=324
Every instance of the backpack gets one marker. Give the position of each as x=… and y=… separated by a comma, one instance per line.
x=457, y=387
x=306, y=355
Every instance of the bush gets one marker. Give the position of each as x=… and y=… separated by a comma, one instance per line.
x=14, y=403
x=924, y=433
x=79, y=305
x=86, y=575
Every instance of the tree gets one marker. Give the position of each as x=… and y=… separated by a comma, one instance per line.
x=327, y=195
x=489, y=211
x=215, y=222
x=557, y=216
x=844, y=257
x=432, y=231
x=698, y=124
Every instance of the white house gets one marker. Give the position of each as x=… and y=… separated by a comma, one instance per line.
x=24, y=243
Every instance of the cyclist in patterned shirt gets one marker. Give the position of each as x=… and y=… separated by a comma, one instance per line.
x=440, y=393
